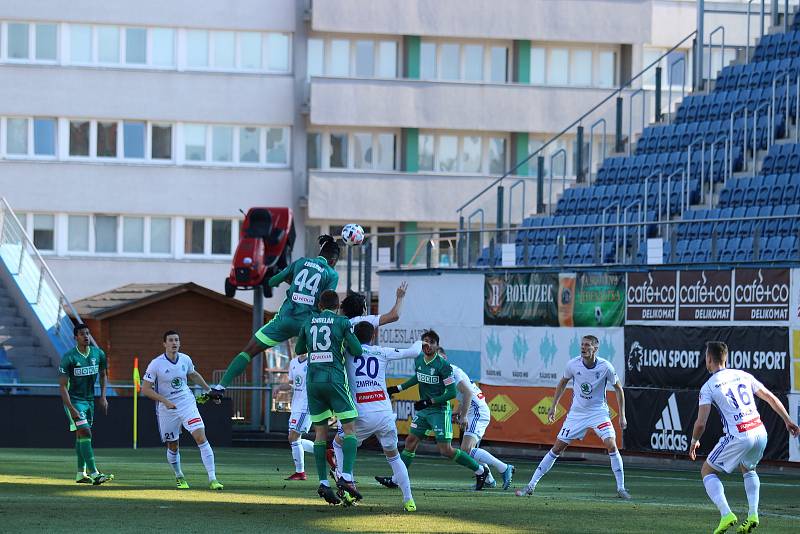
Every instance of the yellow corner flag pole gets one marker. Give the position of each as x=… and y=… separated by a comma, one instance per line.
x=136, y=386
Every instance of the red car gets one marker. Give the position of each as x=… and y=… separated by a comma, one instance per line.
x=266, y=238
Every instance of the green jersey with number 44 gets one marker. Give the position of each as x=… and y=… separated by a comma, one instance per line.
x=325, y=336
x=307, y=278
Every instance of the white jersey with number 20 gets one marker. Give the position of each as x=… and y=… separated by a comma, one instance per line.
x=367, y=375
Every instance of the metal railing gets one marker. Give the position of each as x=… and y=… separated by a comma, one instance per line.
x=35, y=279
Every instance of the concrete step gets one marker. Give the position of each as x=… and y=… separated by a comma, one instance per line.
x=8, y=319
x=28, y=357
x=14, y=330
x=9, y=342
x=39, y=373
x=6, y=302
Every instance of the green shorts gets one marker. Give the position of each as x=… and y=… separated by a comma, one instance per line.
x=328, y=399
x=278, y=330
x=437, y=420
x=86, y=411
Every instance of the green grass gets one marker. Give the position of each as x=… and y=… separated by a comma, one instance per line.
x=37, y=494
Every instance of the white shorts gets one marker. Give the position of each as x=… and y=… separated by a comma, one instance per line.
x=576, y=425
x=380, y=424
x=300, y=420
x=478, y=418
x=731, y=451
x=170, y=422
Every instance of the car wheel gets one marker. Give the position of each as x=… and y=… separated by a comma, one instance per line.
x=230, y=289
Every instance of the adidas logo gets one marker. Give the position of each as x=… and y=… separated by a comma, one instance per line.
x=668, y=435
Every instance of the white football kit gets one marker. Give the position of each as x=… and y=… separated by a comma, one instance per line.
x=732, y=392
x=367, y=377
x=589, y=408
x=170, y=380
x=478, y=413
x=299, y=420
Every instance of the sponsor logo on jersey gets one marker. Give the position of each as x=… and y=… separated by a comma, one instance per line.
x=749, y=425
x=586, y=388
x=299, y=298
x=668, y=434
x=321, y=357
x=85, y=371
x=427, y=379
x=176, y=383
x=370, y=396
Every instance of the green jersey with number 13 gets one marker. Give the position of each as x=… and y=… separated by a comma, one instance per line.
x=307, y=278
x=325, y=336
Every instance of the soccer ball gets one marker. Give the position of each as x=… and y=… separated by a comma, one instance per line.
x=352, y=234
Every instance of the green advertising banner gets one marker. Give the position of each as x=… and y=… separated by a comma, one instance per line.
x=554, y=299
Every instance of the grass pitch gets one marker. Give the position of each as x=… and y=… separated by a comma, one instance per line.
x=37, y=494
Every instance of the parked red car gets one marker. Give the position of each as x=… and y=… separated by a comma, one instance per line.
x=266, y=238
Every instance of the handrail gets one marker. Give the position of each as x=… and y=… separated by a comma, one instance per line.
x=625, y=231
x=44, y=268
x=575, y=122
x=630, y=116
x=680, y=60
x=511, y=196
x=755, y=131
x=482, y=213
x=599, y=121
x=553, y=156
x=711, y=49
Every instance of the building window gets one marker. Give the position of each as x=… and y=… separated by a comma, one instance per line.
x=386, y=248
x=338, y=156
x=386, y=149
x=221, y=236
x=135, y=46
x=473, y=63
x=108, y=44
x=557, y=66
x=46, y=42
x=278, y=52
x=497, y=155
x=387, y=59
x=194, y=236
x=538, y=63
x=78, y=233
x=161, y=141
x=426, y=156
x=79, y=132
x=449, y=61
x=222, y=143
x=499, y=64
x=365, y=58
x=133, y=234
x=163, y=47
x=362, y=150
x=224, y=44
x=250, y=50
x=249, y=145
x=160, y=235
x=428, y=61
x=194, y=136
x=106, y=139
x=80, y=43
x=18, y=47
x=277, y=146
x=471, y=154
x=44, y=137
x=197, y=48
x=314, y=151
x=133, y=134
x=606, y=69
x=580, y=68
x=448, y=153
x=316, y=57
x=340, y=57
x=44, y=232
x=17, y=136
x=105, y=233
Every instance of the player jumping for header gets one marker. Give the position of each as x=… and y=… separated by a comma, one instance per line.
x=589, y=375
x=732, y=391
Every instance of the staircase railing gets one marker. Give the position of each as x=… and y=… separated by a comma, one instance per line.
x=36, y=281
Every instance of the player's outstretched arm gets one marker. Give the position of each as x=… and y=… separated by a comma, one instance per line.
x=776, y=404
x=410, y=383
x=394, y=314
x=282, y=276
x=408, y=352
x=623, y=422
x=699, y=428
x=150, y=393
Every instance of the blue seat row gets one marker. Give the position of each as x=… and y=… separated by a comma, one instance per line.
x=778, y=45
x=756, y=74
x=635, y=169
x=552, y=254
x=745, y=222
x=728, y=250
x=674, y=137
x=782, y=158
x=770, y=190
x=720, y=104
x=582, y=228
x=597, y=198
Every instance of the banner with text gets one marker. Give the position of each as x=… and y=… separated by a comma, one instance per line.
x=550, y=299
x=661, y=420
x=519, y=415
x=744, y=296
x=794, y=442
x=537, y=356
x=673, y=357
x=795, y=348
x=794, y=313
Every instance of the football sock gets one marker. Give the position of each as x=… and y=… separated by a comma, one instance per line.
x=484, y=457
x=407, y=458
x=544, y=466
x=752, y=485
x=174, y=460
x=717, y=493
x=616, y=466
x=320, y=447
x=88, y=454
x=400, y=476
x=339, y=454
x=308, y=445
x=207, y=455
x=81, y=463
x=462, y=458
x=236, y=367
x=349, y=447
x=298, y=455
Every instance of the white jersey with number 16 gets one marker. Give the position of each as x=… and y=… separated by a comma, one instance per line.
x=733, y=393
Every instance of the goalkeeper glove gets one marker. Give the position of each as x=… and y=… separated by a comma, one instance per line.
x=392, y=390
x=422, y=404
